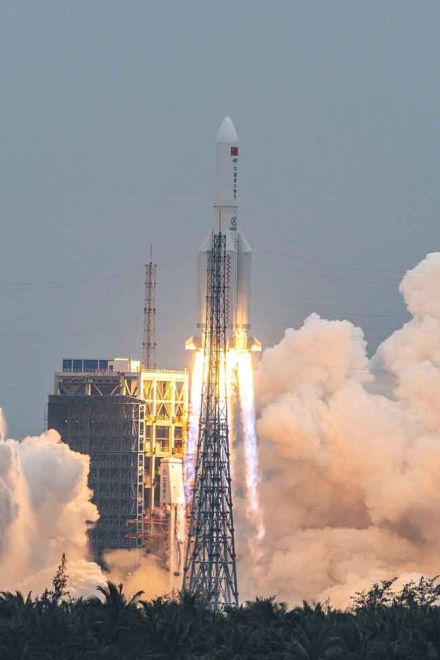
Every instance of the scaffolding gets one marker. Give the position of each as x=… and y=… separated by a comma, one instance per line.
x=210, y=563
x=111, y=430
x=165, y=394
x=127, y=422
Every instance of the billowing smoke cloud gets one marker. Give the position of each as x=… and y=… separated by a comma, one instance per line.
x=350, y=453
x=350, y=464
x=138, y=572
x=45, y=511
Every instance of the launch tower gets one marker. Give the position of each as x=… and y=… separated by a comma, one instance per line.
x=149, y=334
x=210, y=564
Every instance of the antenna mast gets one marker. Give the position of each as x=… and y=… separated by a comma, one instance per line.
x=149, y=335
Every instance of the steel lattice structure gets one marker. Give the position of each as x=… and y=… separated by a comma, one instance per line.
x=149, y=333
x=127, y=422
x=210, y=564
x=109, y=428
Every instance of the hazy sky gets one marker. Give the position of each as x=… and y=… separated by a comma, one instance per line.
x=109, y=112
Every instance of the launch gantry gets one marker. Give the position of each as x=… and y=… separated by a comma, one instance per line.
x=210, y=563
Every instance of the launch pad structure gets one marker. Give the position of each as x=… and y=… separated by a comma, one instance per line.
x=210, y=563
x=132, y=419
x=224, y=281
x=129, y=420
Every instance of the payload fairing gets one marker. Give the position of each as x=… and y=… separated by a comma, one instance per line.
x=238, y=251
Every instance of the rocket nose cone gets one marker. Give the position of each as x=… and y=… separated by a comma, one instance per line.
x=226, y=133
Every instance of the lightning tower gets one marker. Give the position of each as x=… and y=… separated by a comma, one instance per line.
x=149, y=334
x=210, y=563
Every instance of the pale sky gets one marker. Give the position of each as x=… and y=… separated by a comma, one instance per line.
x=109, y=114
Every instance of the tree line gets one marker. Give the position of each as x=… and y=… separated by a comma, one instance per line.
x=382, y=623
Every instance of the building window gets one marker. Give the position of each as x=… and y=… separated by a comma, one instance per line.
x=178, y=438
x=90, y=365
x=163, y=438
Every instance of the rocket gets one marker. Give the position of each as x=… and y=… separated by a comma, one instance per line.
x=238, y=250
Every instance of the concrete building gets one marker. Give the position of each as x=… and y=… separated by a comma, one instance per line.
x=127, y=420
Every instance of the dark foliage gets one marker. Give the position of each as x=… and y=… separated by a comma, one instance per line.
x=382, y=624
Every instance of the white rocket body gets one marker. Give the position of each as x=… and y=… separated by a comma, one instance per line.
x=238, y=251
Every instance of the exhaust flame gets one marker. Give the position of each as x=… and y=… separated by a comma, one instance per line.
x=247, y=407
x=235, y=370
x=193, y=430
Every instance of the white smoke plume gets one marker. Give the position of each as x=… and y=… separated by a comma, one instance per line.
x=138, y=571
x=350, y=453
x=45, y=511
x=349, y=461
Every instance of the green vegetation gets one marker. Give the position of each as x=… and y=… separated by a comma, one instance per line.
x=381, y=624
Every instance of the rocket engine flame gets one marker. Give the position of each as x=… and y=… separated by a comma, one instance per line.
x=247, y=408
x=193, y=429
x=236, y=368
